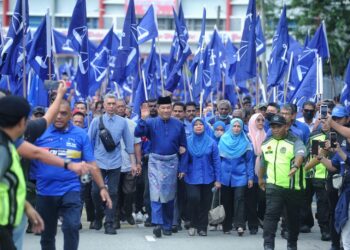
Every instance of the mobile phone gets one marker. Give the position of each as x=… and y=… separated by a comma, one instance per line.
x=323, y=111
x=314, y=147
x=333, y=139
x=51, y=84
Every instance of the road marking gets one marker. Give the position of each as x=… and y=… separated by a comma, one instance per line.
x=150, y=238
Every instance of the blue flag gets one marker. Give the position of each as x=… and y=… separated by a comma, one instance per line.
x=260, y=38
x=60, y=45
x=217, y=58
x=246, y=55
x=17, y=29
x=345, y=94
x=102, y=61
x=320, y=42
x=126, y=65
x=147, y=28
x=280, y=44
x=37, y=93
x=184, y=52
x=150, y=71
x=78, y=36
x=231, y=58
x=37, y=56
x=307, y=88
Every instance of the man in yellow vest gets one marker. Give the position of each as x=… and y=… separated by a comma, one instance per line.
x=13, y=116
x=280, y=175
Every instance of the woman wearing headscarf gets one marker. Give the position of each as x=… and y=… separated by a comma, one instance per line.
x=219, y=130
x=203, y=173
x=256, y=135
x=236, y=174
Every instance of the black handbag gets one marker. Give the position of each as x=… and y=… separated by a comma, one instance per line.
x=106, y=137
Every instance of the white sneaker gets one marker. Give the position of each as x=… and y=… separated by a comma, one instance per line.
x=192, y=231
x=139, y=217
x=59, y=221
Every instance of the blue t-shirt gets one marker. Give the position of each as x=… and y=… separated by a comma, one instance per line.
x=72, y=143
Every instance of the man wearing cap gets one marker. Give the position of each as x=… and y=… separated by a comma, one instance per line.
x=282, y=157
x=168, y=138
x=38, y=112
x=14, y=112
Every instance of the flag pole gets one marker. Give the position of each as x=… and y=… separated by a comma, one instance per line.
x=288, y=78
x=48, y=40
x=188, y=80
x=201, y=103
x=144, y=84
x=161, y=67
x=257, y=89
x=24, y=48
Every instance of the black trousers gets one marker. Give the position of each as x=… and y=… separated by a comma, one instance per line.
x=86, y=198
x=333, y=197
x=251, y=205
x=127, y=188
x=276, y=199
x=199, y=199
x=6, y=240
x=182, y=200
x=233, y=200
x=316, y=187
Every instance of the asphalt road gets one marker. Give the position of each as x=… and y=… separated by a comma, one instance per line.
x=138, y=237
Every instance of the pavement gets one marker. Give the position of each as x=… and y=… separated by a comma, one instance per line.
x=138, y=237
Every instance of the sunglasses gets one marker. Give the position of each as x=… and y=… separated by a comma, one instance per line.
x=308, y=110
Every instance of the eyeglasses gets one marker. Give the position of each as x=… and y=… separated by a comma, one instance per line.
x=260, y=120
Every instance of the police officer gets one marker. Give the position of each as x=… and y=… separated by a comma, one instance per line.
x=14, y=112
x=282, y=157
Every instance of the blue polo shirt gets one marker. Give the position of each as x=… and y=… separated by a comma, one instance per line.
x=72, y=143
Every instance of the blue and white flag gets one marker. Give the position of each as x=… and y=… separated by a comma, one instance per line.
x=126, y=65
x=17, y=30
x=320, y=42
x=231, y=58
x=345, y=94
x=60, y=45
x=246, y=55
x=78, y=36
x=37, y=56
x=280, y=44
x=217, y=58
x=151, y=72
x=147, y=29
x=260, y=38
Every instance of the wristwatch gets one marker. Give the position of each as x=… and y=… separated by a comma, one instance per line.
x=66, y=162
x=104, y=187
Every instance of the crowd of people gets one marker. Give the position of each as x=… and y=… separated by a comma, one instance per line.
x=168, y=166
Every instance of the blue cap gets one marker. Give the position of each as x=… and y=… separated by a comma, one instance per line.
x=340, y=111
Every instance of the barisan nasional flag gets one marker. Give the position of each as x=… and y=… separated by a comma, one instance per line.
x=18, y=27
x=246, y=55
x=345, y=94
x=320, y=42
x=147, y=29
x=78, y=37
x=60, y=44
x=38, y=56
x=280, y=44
x=260, y=38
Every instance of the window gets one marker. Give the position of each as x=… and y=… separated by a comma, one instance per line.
x=236, y=23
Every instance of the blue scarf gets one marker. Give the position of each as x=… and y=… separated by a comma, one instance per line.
x=234, y=145
x=197, y=144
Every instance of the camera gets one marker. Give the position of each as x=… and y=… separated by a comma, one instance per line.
x=51, y=84
x=315, y=144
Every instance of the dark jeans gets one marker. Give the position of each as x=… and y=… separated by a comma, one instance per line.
x=86, y=198
x=68, y=206
x=146, y=194
x=127, y=188
x=333, y=200
x=180, y=203
x=6, y=240
x=276, y=200
x=199, y=199
x=111, y=178
x=251, y=205
x=318, y=187
x=232, y=199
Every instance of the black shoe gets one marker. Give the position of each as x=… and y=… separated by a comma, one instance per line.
x=202, y=233
x=187, y=225
x=110, y=230
x=98, y=224
x=92, y=225
x=80, y=226
x=167, y=232
x=174, y=229
x=292, y=246
x=116, y=224
x=325, y=236
x=130, y=220
x=304, y=229
x=157, y=231
x=148, y=224
x=253, y=231
x=179, y=228
x=284, y=234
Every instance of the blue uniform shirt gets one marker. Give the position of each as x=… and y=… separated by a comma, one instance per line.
x=72, y=143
